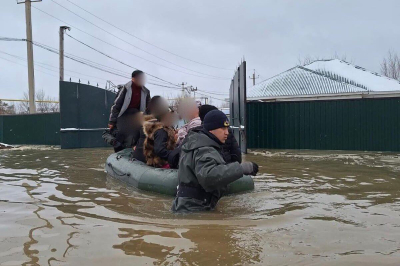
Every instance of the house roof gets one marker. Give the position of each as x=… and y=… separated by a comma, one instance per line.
x=323, y=77
x=370, y=80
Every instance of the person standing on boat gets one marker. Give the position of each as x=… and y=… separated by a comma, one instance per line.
x=203, y=174
x=132, y=98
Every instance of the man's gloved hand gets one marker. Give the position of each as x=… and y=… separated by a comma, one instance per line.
x=249, y=168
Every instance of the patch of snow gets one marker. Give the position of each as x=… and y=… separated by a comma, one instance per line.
x=373, y=81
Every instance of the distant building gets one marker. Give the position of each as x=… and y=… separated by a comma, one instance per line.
x=322, y=77
x=325, y=105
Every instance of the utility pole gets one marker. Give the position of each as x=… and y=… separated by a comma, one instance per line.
x=183, y=89
x=62, y=30
x=29, y=47
x=192, y=89
x=254, y=77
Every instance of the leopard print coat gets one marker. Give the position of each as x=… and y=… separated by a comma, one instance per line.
x=149, y=129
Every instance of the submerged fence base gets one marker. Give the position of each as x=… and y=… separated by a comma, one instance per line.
x=31, y=129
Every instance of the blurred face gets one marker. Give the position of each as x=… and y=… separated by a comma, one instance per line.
x=139, y=80
x=221, y=133
x=168, y=119
x=188, y=109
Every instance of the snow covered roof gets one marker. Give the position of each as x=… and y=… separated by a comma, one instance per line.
x=323, y=77
x=301, y=81
x=371, y=80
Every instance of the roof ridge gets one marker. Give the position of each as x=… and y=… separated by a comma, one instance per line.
x=355, y=66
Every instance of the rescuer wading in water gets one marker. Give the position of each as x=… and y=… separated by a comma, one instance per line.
x=203, y=174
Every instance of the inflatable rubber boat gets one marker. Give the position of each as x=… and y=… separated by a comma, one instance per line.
x=121, y=166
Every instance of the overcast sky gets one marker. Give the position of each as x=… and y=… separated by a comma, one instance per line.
x=271, y=35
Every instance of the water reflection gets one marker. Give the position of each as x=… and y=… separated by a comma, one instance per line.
x=322, y=208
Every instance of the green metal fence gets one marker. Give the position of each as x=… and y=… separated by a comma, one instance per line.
x=85, y=112
x=35, y=129
x=358, y=124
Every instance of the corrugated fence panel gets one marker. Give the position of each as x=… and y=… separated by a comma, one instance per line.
x=32, y=129
x=1, y=129
x=357, y=124
x=85, y=112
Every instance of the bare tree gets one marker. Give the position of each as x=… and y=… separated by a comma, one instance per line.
x=45, y=104
x=390, y=66
x=6, y=109
x=306, y=60
x=23, y=107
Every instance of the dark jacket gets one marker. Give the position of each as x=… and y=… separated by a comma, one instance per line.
x=123, y=100
x=203, y=168
x=230, y=149
x=159, y=143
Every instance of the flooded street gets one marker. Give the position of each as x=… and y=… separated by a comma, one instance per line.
x=58, y=207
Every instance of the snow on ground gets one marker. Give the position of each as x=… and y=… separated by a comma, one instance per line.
x=373, y=81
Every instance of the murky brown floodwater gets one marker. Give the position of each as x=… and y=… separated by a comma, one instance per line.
x=58, y=207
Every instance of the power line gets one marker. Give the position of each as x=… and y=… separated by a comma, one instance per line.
x=119, y=61
x=214, y=77
x=159, y=85
x=89, y=63
x=130, y=34
x=96, y=67
x=212, y=97
x=41, y=63
x=44, y=72
x=82, y=60
x=25, y=66
x=11, y=39
x=215, y=93
x=74, y=28
x=129, y=43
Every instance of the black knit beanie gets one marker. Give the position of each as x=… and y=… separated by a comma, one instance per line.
x=204, y=109
x=215, y=119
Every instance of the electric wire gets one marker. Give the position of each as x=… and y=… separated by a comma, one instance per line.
x=76, y=29
x=212, y=97
x=215, y=93
x=213, y=77
x=104, y=70
x=129, y=43
x=25, y=66
x=81, y=60
x=134, y=36
x=91, y=63
x=201, y=92
x=67, y=70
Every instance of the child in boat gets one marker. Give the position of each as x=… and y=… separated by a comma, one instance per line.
x=160, y=137
x=189, y=111
x=154, y=103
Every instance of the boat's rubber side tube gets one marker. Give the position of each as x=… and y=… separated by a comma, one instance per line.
x=163, y=181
